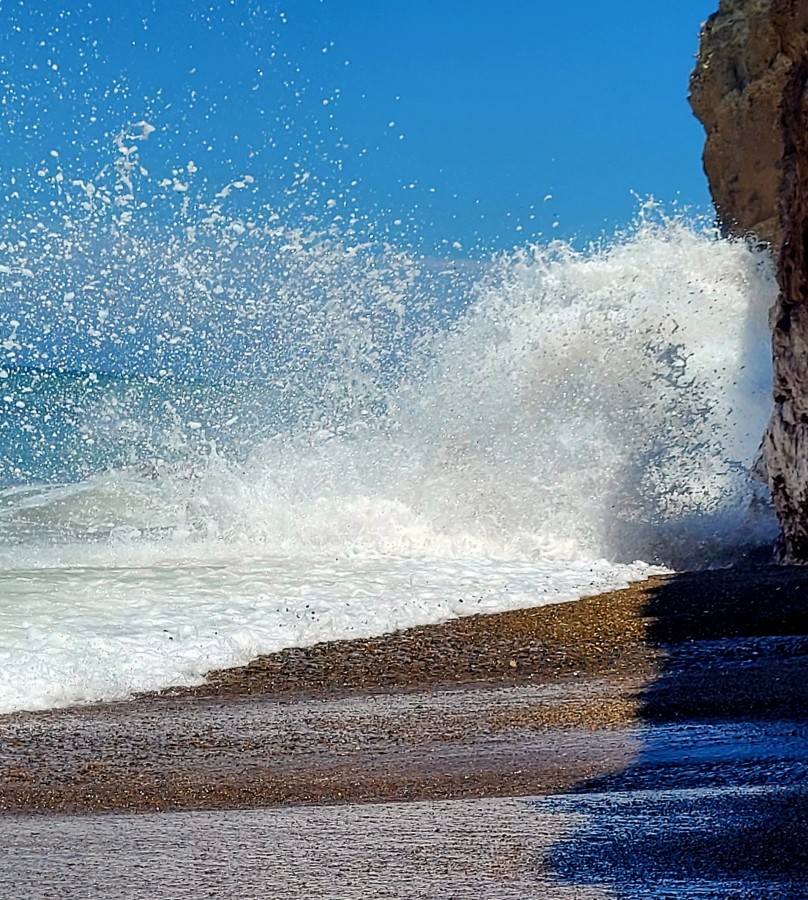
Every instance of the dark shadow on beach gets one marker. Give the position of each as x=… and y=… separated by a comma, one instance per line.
x=716, y=801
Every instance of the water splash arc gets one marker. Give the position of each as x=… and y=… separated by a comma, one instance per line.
x=322, y=435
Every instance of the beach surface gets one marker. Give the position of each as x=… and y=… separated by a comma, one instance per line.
x=648, y=742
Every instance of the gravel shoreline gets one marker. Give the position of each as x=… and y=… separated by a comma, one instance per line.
x=528, y=702
x=596, y=636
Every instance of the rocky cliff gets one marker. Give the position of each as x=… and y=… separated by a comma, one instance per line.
x=749, y=90
x=735, y=91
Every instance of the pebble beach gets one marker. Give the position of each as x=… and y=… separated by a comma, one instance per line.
x=676, y=694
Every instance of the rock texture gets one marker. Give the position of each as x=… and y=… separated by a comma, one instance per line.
x=746, y=53
x=785, y=445
x=749, y=90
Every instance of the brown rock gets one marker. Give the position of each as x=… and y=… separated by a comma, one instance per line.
x=746, y=53
x=785, y=446
x=748, y=89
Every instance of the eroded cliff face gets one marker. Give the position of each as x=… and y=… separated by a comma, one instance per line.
x=749, y=89
x=785, y=444
x=735, y=92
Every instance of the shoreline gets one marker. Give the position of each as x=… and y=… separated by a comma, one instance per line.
x=595, y=635
x=529, y=702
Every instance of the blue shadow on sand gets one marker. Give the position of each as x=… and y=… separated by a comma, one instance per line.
x=715, y=803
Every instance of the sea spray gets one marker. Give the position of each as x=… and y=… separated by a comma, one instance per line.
x=606, y=403
x=281, y=376
x=435, y=438
x=612, y=399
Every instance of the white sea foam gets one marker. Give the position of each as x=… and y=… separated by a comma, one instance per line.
x=87, y=633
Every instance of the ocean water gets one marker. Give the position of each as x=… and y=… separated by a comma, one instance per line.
x=222, y=435
x=240, y=411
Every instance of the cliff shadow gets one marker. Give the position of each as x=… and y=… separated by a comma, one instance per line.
x=716, y=801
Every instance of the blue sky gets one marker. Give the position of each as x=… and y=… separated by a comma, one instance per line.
x=449, y=121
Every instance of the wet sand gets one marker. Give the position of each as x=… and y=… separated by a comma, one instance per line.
x=660, y=734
